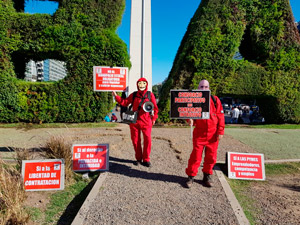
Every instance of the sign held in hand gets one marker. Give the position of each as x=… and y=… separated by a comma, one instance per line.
x=187, y=104
x=110, y=78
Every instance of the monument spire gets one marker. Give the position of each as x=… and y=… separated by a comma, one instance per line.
x=140, y=49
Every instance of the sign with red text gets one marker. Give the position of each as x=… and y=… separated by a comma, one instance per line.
x=187, y=104
x=43, y=175
x=90, y=157
x=110, y=78
x=246, y=166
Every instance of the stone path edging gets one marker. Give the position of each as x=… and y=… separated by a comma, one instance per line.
x=235, y=205
x=78, y=220
x=282, y=160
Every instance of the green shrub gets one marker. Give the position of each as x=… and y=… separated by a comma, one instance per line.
x=80, y=33
x=264, y=33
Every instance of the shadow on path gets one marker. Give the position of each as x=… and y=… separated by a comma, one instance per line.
x=125, y=170
x=7, y=149
x=291, y=187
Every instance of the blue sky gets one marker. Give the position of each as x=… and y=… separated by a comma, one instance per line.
x=170, y=19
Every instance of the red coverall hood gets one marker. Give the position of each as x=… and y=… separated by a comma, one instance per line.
x=142, y=79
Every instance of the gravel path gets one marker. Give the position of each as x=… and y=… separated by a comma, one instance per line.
x=139, y=195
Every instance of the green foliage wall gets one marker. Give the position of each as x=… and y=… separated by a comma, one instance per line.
x=81, y=33
x=265, y=34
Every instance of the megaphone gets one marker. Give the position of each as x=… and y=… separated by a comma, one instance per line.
x=148, y=106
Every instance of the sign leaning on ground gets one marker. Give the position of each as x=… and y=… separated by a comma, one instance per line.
x=246, y=166
x=43, y=175
x=187, y=104
x=90, y=157
x=110, y=78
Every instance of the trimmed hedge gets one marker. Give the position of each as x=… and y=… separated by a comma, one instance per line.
x=81, y=33
x=264, y=33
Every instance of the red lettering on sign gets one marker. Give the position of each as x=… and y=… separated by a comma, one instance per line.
x=189, y=100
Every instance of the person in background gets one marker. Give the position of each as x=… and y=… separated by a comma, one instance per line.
x=106, y=118
x=235, y=115
x=123, y=108
x=114, y=118
x=206, y=135
x=144, y=122
x=240, y=119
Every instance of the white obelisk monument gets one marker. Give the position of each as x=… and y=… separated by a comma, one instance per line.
x=140, y=49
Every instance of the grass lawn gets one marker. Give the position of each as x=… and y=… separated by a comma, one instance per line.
x=273, y=143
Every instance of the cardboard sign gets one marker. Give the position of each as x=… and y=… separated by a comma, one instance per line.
x=110, y=78
x=90, y=157
x=43, y=175
x=246, y=166
x=187, y=104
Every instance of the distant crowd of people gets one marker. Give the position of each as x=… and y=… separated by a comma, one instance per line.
x=238, y=113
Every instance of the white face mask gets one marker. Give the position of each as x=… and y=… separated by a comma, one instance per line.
x=142, y=85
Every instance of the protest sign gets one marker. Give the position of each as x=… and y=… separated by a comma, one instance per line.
x=110, y=78
x=187, y=104
x=246, y=166
x=43, y=175
x=90, y=157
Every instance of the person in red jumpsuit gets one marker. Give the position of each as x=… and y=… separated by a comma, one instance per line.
x=144, y=122
x=206, y=135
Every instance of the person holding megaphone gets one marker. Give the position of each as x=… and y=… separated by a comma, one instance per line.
x=143, y=102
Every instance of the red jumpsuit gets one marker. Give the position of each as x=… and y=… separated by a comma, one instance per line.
x=205, y=135
x=143, y=123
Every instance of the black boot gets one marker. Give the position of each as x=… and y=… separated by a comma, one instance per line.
x=147, y=164
x=189, y=182
x=207, y=180
x=137, y=163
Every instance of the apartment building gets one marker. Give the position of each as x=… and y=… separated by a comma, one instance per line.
x=47, y=70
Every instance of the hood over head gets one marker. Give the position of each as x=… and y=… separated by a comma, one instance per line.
x=143, y=86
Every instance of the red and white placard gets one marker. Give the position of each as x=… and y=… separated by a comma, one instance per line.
x=110, y=78
x=43, y=175
x=90, y=157
x=246, y=166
